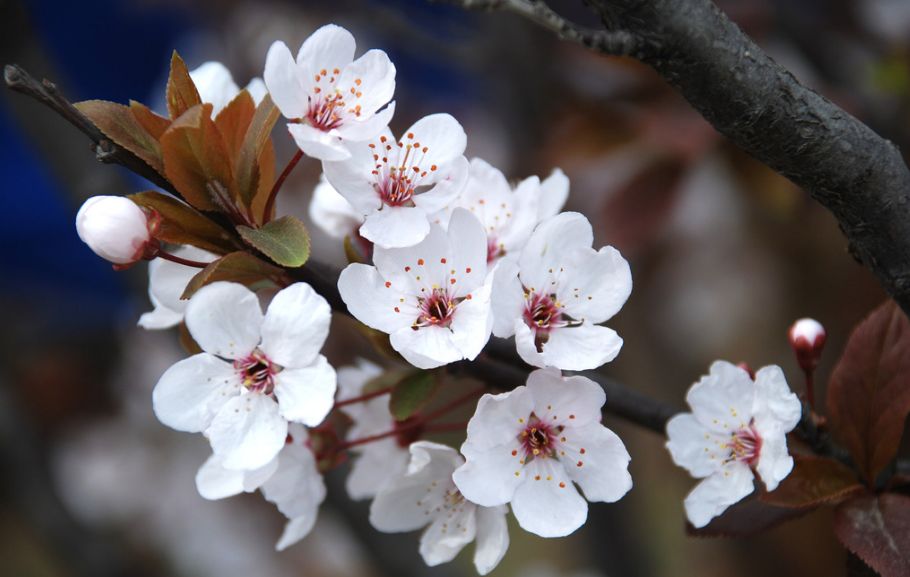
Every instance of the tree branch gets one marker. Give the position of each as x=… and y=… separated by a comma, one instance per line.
x=856, y=174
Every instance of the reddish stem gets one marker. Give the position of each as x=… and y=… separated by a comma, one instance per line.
x=443, y=427
x=362, y=398
x=273, y=195
x=810, y=387
x=180, y=260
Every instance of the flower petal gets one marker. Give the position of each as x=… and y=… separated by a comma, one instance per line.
x=596, y=284
x=295, y=530
x=722, y=399
x=572, y=401
x=554, y=190
x=507, y=298
x=372, y=76
x=467, y=252
x=472, y=323
x=167, y=281
x=693, y=446
x=492, y=538
x=353, y=178
x=713, y=495
x=215, y=85
x=306, y=394
x=296, y=487
x=775, y=405
x=448, y=534
x=581, y=348
x=426, y=348
x=441, y=135
x=248, y=431
x=213, y=481
x=774, y=462
x=396, y=226
x=161, y=317
x=319, y=144
x=357, y=129
x=372, y=303
x=329, y=47
x=190, y=393
x=548, y=247
x=331, y=212
x=547, y=503
x=448, y=181
x=525, y=345
x=377, y=465
x=499, y=419
x=296, y=325
x=224, y=319
x=282, y=78
x=603, y=474
x=491, y=474
x=417, y=267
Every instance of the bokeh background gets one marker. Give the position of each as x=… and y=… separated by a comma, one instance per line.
x=725, y=255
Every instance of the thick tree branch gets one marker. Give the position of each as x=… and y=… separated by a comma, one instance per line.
x=856, y=174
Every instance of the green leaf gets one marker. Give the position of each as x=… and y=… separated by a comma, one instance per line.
x=182, y=224
x=285, y=241
x=814, y=481
x=241, y=267
x=119, y=124
x=412, y=394
x=248, y=167
x=181, y=91
x=385, y=380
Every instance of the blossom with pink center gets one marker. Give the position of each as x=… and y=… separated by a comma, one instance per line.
x=737, y=427
x=257, y=372
x=433, y=299
x=396, y=184
x=330, y=99
x=508, y=214
x=425, y=496
x=380, y=461
x=216, y=86
x=527, y=447
x=555, y=294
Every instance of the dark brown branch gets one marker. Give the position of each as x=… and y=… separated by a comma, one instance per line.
x=856, y=174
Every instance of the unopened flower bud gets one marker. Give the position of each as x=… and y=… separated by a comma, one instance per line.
x=115, y=228
x=807, y=337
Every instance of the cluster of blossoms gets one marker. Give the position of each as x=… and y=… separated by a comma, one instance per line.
x=456, y=255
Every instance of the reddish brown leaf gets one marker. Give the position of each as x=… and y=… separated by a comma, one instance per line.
x=182, y=224
x=239, y=267
x=812, y=482
x=869, y=390
x=877, y=529
x=196, y=160
x=117, y=122
x=151, y=122
x=234, y=120
x=247, y=168
x=749, y=517
x=266, y=179
x=181, y=92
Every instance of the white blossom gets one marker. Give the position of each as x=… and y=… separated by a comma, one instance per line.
x=397, y=184
x=332, y=213
x=167, y=281
x=527, y=447
x=736, y=426
x=557, y=291
x=377, y=462
x=257, y=372
x=508, y=215
x=330, y=99
x=433, y=299
x=115, y=228
x=216, y=86
x=426, y=496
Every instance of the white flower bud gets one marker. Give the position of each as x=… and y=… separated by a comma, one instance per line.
x=807, y=337
x=114, y=227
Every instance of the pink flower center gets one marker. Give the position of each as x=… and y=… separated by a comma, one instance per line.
x=257, y=372
x=544, y=313
x=436, y=309
x=539, y=439
x=399, y=173
x=494, y=249
x=745, y=446
x=327, y=108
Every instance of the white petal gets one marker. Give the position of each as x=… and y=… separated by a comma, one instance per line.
x=443, y=137
x=192, y=391
x=713, y=495
x=472, y=322
x=306, y=395
x=551, y=242
x=774, y=462
x=522, y=217
x=372, y=303
x=167, y=281
x=352, y=379
x=693, y=446
x=319, y=144
x=248, y=431
x=722, y=400
x=604, y=471
x=554, y=190
x=213, y=481
x=491, y=474
x=296, y=325
x=426, y=348
x=396, y=226
x=331, y=212
x=467, y=252
x=508, y=297
x=282, y=78
x=499, y=419
x=373, y=76
x=492, y=538
x=775, y=405
x=524, y=344
x=330, y=47
x=448, y=534
x=159, y=318
x=376, y=466
x=353, y=178
x=581, y=348
x=295, y=530
x=573, y=401
x=544, y=507
x=596, y=284
x=417, y=267
x=296, y=488
x=224, y=319
x=215, y=85
x=448, y=181
x=257, y=90
x=357, y=129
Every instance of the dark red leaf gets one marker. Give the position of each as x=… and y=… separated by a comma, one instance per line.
x=877, y=529
x=814, y=481
x=869, y=390
x=747, y=518
x=119, y=124
x=241, y=267
x=182, y=224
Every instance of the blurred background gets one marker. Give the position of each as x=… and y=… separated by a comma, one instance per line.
x=725, y=255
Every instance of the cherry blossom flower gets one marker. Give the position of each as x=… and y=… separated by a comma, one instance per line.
x=433, y=299
x=509, y=216
x=736, y=427
x=553, y=297
x=426, y=496
x=332, y=213
x=329, y=98
x=397, y=184
x=167, y=281
x=216, y=86
x=381, y=460
x=115, y=228
x=257, y=372
x=527, y=446
x=291, y=481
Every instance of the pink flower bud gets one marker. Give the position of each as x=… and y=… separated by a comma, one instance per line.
x=115, y=228
x=807, y=337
